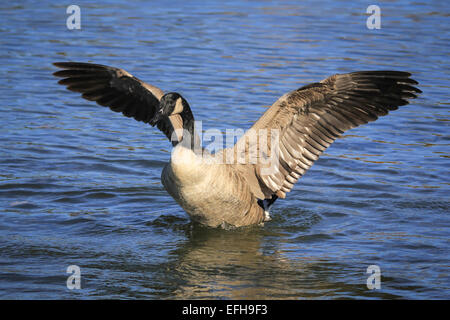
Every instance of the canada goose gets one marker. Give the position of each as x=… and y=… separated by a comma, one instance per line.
x=305, y=121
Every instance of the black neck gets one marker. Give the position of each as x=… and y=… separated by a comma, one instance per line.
x=190, y=138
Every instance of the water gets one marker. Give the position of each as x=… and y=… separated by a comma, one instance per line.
x=80, y=185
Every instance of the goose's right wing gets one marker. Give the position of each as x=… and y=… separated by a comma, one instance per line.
x=114, y=88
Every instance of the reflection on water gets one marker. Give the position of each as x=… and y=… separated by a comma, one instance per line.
x=236, y=265
x=244, y=264
x=80, y=184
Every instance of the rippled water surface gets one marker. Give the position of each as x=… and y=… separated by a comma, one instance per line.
x=80, y=185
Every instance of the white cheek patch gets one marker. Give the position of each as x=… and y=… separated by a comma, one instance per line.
x=177, y=124
x=178, y=107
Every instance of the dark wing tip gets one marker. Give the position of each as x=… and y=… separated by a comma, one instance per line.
x=59, y=64
x=79, y=65
x=398, y=81
x=383, y=73
x=58, y=74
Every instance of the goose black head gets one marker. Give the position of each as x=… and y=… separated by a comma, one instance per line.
x=171, y=104
x=174, y=107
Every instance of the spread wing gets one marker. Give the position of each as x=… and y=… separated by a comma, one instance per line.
x=309, y=119
x=114, y=88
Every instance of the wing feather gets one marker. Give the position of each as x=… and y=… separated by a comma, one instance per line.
x=311, y=118
x=114, y=88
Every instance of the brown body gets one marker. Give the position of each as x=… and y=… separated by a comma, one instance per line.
x=213, y=194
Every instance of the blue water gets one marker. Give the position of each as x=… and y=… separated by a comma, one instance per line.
x=80, y=185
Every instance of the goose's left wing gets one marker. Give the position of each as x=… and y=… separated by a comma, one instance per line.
x=309, y=119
